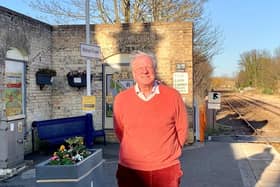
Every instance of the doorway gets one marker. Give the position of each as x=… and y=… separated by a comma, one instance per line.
x=116, y=78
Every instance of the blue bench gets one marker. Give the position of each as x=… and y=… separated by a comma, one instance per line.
x=56, y=131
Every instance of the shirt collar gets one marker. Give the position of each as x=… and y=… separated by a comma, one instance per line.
x=155, y=88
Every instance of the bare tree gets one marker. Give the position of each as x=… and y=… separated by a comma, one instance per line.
x=121, y=10
x=277, y=65
x=259, y=69
x=206, y=38
x=206, y=45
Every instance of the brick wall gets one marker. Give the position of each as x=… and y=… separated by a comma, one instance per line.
x=171, y=42
x=58, y=47
x=33, y=39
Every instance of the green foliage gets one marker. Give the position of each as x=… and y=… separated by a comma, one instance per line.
x=267, y=91
x=76, y=73
x=218, y=130
x=258, y=69
x=46, y=71
x=76, y=152
x=212, y=132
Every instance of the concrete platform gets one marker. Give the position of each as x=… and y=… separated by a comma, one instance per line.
x=210, y=164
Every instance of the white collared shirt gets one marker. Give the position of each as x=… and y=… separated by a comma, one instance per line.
x=155, y=90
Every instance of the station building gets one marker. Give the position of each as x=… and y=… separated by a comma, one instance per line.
x=27, y=45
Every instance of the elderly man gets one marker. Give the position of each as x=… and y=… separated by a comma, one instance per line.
x=150, y=121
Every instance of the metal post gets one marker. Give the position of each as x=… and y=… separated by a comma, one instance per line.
x=88, y=42
x=197, y=125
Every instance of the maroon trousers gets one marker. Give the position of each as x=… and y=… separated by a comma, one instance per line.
x=167, y=177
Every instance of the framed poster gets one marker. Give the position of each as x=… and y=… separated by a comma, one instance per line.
x=114, y=85
x=14, y=91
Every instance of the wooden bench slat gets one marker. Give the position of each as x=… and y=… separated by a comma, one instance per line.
x=55, y=131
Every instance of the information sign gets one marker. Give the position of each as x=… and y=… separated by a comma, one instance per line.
x=88, y=103
x=180, y=82
x=90, y=51
x=214, y=100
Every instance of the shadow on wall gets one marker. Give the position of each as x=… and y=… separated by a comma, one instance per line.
x=118, y=76
x=130, y=40
x=146, y=40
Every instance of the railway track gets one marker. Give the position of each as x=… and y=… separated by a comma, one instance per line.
x=257, y=114
x=275, y=109
x=252, y=117
x=241, y=116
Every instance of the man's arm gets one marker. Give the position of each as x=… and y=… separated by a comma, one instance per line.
x=118, y=127
x=182, y=126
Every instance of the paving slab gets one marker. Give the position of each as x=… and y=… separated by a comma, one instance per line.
x=264, y=161
x=209, y=164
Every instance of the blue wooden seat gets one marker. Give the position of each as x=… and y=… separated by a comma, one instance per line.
x=56, y=131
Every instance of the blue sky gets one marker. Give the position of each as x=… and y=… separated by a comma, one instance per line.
x=245, y=25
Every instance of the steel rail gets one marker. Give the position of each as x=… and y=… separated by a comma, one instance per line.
x=261, y=104
x=256, y=131
x=260, y=101
x=243, y=118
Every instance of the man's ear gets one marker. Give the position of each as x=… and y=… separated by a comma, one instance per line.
x=133, y=75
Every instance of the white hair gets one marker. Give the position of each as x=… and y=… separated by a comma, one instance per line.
x=137, y=54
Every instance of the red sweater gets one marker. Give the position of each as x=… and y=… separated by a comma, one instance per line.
x=151, y=133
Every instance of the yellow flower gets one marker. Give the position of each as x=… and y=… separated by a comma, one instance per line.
x=74, y=152
x=62, y=148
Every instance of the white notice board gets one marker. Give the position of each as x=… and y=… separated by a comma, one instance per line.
x=180, y=82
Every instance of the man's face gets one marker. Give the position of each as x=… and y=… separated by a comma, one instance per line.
x=143, y=71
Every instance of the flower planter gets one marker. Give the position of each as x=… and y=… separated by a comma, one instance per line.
x=87, y=172
x=43, y=79
x=77, y=80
